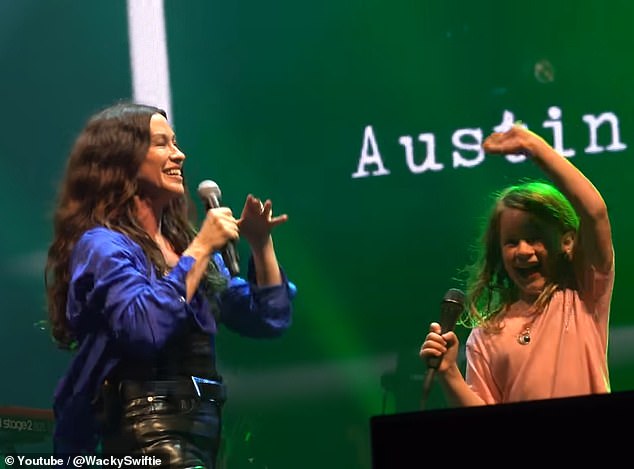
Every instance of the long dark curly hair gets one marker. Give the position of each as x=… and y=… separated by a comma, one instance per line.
x=98, y=189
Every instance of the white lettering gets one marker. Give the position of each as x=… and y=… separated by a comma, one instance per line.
x=474, y=145
x=370, y=157
x=593, y=124
x=470, y=140
x=558, y=131
x=429, y=163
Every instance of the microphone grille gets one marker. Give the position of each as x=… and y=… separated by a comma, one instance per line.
x=208, y=188
x=451, y=307
x=454, y=295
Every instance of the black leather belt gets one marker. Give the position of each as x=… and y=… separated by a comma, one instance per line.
x=195, y=387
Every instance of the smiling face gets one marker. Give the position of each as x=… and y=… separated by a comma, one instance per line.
x=530, y=250
x=160, y=175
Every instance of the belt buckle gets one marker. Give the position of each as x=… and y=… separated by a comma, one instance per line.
x=200, y=384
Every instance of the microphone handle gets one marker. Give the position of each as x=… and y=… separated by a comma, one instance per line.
x=434, y=362
x=432, y=365
x=427, y=382
x=230, y=257
x=229, y=252
x=450, y=309
x=449, y=313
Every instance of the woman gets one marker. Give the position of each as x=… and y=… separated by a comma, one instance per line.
x=137, y=294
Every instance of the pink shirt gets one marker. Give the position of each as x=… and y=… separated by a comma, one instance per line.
x=566, y=356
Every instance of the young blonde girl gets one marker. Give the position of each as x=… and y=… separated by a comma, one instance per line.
x=538, y=298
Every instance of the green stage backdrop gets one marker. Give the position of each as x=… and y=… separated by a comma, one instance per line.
x=362, y=121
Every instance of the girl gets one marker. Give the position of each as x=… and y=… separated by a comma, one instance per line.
x=539, y=294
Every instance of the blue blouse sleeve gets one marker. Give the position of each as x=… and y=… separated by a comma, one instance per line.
x=253, y=311
x=113, y=282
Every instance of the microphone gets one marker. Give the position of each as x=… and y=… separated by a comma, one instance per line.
x=451, y=307
x=209, y=194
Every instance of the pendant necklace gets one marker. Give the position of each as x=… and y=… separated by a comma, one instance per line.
x=524, y=337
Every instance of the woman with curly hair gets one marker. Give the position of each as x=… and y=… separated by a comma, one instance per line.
x=136, y=293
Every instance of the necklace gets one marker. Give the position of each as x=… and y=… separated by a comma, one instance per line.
x=524, y=337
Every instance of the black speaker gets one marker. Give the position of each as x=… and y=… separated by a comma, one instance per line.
x=572, y=430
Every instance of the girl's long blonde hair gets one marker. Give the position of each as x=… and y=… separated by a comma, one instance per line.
x=489, y=288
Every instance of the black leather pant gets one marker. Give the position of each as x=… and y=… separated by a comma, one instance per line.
x=168, y=422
